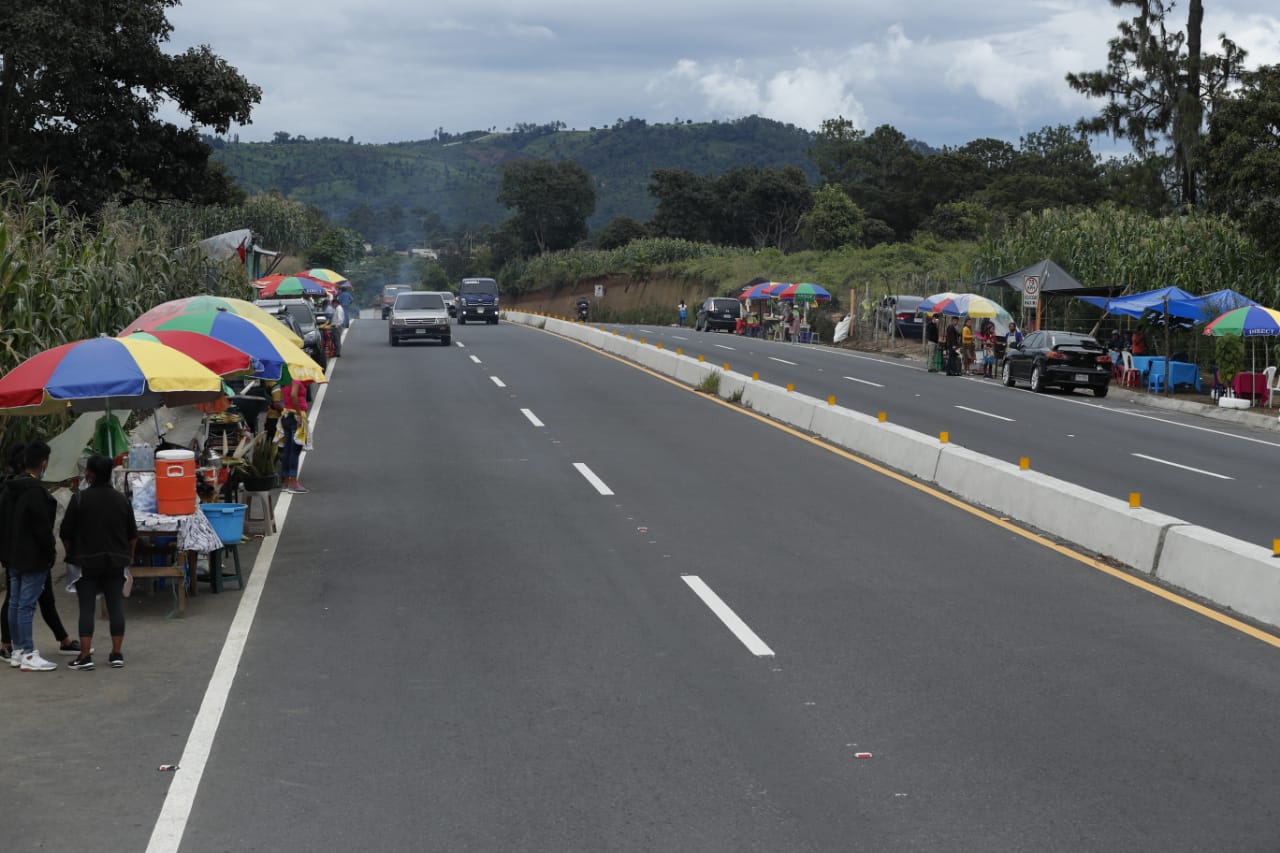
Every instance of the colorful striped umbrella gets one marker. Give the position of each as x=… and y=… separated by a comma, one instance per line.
x=196, y=304
x=273, y=286
x=763, y=290
x=105, y=373
x=265, y=342
x=804, y=292
x=223, y=359
x=326, y=275
x=965, y=305
x=1247, y=322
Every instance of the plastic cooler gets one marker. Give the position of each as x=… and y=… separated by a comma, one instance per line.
x=175, y=482
x=227, y=521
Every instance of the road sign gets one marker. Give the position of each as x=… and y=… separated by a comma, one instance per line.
x=1030, y=291
x=599, y=290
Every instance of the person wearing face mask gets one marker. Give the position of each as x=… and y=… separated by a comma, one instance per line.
x=27, y=550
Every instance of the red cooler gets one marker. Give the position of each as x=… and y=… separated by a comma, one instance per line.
x=175, y=482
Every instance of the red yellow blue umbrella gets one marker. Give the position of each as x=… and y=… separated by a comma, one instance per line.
x=272, y=286
x=206, y=302
x=104, y=373
x=223, y=359
x=804, y=292
x=1247, y=322
x=326, y=275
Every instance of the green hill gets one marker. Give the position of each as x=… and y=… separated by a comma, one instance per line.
x=456, y=177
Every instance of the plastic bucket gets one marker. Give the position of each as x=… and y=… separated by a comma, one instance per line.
x=175, y=482
x=227, y=521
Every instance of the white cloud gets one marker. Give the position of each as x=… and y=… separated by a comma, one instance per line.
x=804, y=95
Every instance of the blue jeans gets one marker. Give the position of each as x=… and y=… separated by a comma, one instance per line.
x=24, y=592
x=290, y=451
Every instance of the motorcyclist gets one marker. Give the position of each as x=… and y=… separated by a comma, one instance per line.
x=584, y=307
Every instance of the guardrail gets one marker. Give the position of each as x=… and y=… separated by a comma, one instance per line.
x=1229, y=572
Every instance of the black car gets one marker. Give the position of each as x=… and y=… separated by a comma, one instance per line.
x=718, y=312
x=1066, y=360
x=897, y=314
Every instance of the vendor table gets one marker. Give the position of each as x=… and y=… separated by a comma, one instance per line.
x=194, y=535
x=1251, y=385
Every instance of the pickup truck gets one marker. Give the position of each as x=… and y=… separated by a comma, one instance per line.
x=419, y=316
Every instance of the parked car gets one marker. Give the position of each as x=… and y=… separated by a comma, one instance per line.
x=419, y=316
x=389, y=294
x=718, y=312
x=300, y=317
x=897, y=313
x=1066, y=360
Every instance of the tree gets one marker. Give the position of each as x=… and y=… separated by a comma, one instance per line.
x=1159, y=85
x=620, y=231
x=551, y=200
x=761, y=207
x=833, y=221
x=80, y=86
x=334, y=248
x=880, y=171
x=959, y=220
x=685, y=205
x=1244, y=156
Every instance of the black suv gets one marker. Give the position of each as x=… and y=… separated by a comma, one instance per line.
x=477, y=300
x=718, y=312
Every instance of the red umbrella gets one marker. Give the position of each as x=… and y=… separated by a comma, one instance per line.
x=298, y=284
x=223, y=359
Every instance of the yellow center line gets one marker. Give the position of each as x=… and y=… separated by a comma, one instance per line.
x=1003, y=523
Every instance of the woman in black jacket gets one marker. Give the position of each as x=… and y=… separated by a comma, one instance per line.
x=27, y=550
x=99, y=533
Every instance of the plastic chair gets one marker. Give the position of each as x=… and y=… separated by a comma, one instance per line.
x=1155, y=377
x=1273, y=384
x=1129, y=377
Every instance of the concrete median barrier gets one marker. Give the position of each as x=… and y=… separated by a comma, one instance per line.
x=1230, y=572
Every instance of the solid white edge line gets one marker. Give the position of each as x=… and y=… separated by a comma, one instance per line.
x=171, y=824
x=731, y=620
x=498, y=382
x=986, y=414
x=533, y=419
x=592, y=478
x=865, y=382
x=1183, y=467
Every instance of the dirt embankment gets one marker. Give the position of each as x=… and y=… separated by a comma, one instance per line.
x=621, y=293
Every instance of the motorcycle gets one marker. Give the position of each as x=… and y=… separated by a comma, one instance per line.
x=583, y=309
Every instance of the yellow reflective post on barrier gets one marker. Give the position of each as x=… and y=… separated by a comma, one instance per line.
x=1135, y=500
x=1024, y=462
x=944, y=437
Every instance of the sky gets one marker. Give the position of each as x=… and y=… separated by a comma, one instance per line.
x=943, y=72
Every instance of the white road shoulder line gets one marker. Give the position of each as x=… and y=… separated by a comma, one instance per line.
x=498, y=382
x=986, y=414
x=1183, y=467
x=865, y=382
x=533, y=419
x=731, y=620
x=476, y=360
x=782, y=360
x=593, y=479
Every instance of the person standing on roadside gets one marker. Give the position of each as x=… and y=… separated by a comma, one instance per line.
x=48, y=604
x=953, y=347
x=100, y=535
x=931, y=343
x=682, y=311
x=292, y=434
x=347, y=301
x=27, y=549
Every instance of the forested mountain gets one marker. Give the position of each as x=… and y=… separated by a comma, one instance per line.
x=456, y=177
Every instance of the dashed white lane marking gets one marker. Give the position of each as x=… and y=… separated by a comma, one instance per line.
x=498, y=382
x=476, y=360
x=593, y=479
x=731, y=620
x=864, y=382
x=1183, y=467
x=722, y=346
x=679, y=338
x=782, y=361
x=533, y=419
x=986, y=414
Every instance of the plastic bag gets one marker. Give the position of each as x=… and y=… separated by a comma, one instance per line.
x=142, y=485
x=842, y=329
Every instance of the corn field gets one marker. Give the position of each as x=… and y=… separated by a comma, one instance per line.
x=64, y=278
x=1109, y=246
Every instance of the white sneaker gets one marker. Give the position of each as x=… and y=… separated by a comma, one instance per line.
x=15, y=658
x=32, y=662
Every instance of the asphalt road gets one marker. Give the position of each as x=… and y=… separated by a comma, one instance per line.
x=482, y=631
x=1215, y=474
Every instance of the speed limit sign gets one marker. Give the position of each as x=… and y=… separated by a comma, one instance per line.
x=1030, y=291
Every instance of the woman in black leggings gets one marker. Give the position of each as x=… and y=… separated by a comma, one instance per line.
x=100, y=535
